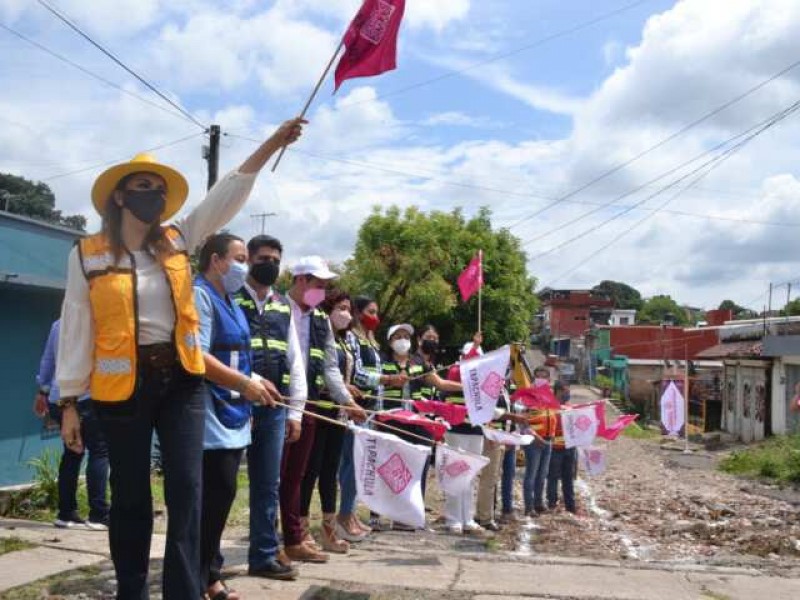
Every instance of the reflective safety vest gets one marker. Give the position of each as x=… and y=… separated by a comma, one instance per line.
x=115, y=314
x=269, y=337
x=558, y=438
x=318, y=332
x=544, y=422
x=420, y=386
x=230, y=344
x=393, y=397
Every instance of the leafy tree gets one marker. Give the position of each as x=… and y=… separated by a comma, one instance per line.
x=623, y=295
x=739, y=312
x=35, y=200
x=654, y=310
x=409, y=262
x=792, y=308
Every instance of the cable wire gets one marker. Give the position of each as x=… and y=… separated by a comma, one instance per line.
x=86, y=71
x=119, y=160
x=659, y=144
x=119, y=62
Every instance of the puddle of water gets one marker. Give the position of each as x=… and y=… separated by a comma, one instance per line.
x=526, y=531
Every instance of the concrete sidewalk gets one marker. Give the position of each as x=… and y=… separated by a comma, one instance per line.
x=392, y=567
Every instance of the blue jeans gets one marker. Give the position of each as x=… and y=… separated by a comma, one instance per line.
x=69, y=468
x=562, y=468
x=537, y=464
x=264, y=469
x=507, y=480
x=347, y=476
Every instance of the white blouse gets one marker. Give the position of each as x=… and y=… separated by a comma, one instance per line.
x=156, y=310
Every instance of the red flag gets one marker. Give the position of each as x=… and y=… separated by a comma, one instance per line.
x=612, y=431
x=371, y=40
x=455, y=414
x=471, y=278
x=537, y=397
x=407, y=417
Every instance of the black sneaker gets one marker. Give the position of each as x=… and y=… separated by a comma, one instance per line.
x=274, y=570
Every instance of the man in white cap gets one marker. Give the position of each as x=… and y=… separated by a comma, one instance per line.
x=310, y=278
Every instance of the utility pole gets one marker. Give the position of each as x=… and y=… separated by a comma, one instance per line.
x=211, y=154
x=263, y=216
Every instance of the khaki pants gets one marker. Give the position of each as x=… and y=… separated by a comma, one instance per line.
x=488, y=480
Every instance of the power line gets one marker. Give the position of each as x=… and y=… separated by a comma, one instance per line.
x=714, y=163
x=661, y=143
x=417, y=175
x=119, y=62
x=540, y=42
x=86, y=71
x=118, y=160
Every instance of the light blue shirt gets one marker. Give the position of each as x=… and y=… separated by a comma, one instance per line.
x=46, y=378
x=217, y=436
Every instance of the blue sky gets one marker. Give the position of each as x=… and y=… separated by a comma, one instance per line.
x=529, y=126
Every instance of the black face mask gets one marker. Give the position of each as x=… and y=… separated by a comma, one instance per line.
x=145, y=205
x=266, y=272
x=430, y=347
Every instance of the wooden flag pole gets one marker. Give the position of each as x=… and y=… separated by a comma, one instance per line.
x=313, y=95
x=480, y=292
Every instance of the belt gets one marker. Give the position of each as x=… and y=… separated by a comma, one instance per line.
x=158, y=356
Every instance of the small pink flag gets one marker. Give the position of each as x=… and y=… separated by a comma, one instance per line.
x=471, y=278
x=407, y=417
x=371, y=40
x=537, y=397
x=612, y=431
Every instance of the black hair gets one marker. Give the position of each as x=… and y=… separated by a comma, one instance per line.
x=360, y=303
x=260, y=241
x=216, y=244
x=332, y=298
x=425, y=329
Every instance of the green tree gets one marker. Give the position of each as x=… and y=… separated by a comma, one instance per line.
x=739, y=312
x=654, y=311
x=792, y=308
x=623, y=295
x=409, y=262
x=35, y=200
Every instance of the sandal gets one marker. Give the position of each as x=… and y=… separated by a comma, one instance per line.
x=330, y=541
x=224, y=594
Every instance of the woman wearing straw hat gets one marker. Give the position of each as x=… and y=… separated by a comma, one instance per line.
x=130, y=336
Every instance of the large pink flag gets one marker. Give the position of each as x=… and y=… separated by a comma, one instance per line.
x=471, y=278
x=371, y=40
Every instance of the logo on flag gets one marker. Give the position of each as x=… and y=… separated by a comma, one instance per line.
x=580, y=425
x=395, y=473
x=375, y=27
x=483, y=383
x=493, y=385
x=457, y=469
x=583, y=423
x=593, y=460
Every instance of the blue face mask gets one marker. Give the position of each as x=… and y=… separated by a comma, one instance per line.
x=234, y=278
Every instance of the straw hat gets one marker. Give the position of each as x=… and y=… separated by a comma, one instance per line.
x=177, y=187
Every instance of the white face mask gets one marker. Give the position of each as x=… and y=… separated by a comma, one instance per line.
x=340, y=319
x=540, y=381
x=401, y=346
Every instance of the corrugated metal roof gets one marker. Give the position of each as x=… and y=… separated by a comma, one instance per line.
x=734, y=349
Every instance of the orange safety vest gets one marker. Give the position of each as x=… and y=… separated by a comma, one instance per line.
x=112, y=295
x=543, y=422
x=558, y=439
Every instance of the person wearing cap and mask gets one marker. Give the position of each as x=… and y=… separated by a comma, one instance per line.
x=278, y=357
x=130, y=336
x=399, y=361
x=310, y=278
x=225, y=339
x=369, y=378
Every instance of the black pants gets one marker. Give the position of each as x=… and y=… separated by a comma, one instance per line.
x=220, y=469
x=170, y=401
x=323, y=465
x=562, y=469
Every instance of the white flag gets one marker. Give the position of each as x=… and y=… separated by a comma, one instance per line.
x=484, y=378
x=593, y=460
x=580, y=426
x=457, y=469
x=507, y=438
x=388, y=475
x=672, y=409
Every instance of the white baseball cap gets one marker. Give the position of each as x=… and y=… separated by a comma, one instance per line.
x=401, y=327
x=313, y=265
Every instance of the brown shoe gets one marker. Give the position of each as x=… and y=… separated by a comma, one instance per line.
x=330, y=541
x=304, y=553
x=283, y=559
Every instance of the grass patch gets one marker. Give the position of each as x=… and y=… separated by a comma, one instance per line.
x=637, y=432
x=79, y=581
x=13, y=544
x=777, y=458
